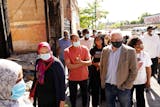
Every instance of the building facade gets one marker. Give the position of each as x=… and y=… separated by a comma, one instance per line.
x=33, y=21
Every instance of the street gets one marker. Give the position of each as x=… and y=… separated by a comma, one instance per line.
x=152, y=97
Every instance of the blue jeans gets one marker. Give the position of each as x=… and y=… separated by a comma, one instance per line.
x=112, y=93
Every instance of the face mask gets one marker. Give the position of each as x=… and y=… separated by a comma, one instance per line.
x=87, y=35
x=66, y=36
x=95, y=33
x=76, y=44
x=18, y=90
x=117, y=44
x=45, y=56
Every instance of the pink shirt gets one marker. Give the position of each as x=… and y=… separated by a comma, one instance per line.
x=71, y=53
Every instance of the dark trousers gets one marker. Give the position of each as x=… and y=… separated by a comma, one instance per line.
x=73, y=92
x=139, y=95
x=154, y=65
x=95, y=84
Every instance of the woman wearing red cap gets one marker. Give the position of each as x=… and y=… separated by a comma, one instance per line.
x=49, y=84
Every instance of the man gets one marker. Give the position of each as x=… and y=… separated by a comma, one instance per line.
x=63, y=43
x=86, y=40
x=94, y=34
x=77, y=59
x=118, y=68
x=151, y=43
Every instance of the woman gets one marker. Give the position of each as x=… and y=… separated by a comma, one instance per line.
x=94, y=70
x=49, y=83
x=144, y=71
x=12, y=86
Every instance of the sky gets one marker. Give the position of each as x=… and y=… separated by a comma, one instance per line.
x=125, y=9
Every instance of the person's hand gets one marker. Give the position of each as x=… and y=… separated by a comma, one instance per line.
x=61, y=104
x=148, y=84
x=31, y=99
x=78, y=60
x=140, y=63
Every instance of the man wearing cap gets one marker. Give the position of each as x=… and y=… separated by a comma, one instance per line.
x=151, y=43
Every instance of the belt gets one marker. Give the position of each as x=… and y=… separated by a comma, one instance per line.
x=111, y=84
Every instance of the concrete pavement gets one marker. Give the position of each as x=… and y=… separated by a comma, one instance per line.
x=152, y=97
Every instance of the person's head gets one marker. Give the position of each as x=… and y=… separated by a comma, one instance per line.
x=125, y=39
x=79, y=33
x=136, y=43
x=66, y=34
x=85, y=33
x=94, y=32
x=75, y=40
x=44, y=51
x=99, y=33
x=150, y=29
x=107, y=39
x=12, y=85
x=98, y=41
x=116, y=39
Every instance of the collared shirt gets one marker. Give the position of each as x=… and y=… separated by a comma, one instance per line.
x=151, y=45
x=113, y=65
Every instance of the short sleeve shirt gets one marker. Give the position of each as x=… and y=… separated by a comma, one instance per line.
x=71, y=53
x=142, y=76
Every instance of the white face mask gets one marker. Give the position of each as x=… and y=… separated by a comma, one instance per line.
x=76, y=44
x=87, y=35
x=45, y=56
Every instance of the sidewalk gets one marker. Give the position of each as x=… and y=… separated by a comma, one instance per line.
x=152, y=97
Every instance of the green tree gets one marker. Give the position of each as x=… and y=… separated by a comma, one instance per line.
x=134, y=22
x=116, y=25
x=141, y=18
x=90, y=15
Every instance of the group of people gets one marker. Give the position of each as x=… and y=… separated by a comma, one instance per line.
x=102, y=66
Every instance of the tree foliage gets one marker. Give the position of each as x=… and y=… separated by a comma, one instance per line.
x=141, y=18
x=90, y=15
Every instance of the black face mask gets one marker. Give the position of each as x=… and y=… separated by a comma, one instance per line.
x=117, y=44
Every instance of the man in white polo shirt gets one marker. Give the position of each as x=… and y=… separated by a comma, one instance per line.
x=151, y=43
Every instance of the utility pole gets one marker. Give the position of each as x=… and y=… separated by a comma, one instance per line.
x=95, y=11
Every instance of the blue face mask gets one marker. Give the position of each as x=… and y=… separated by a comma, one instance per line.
x=76, y=44
x=87, y=35
x=18, y=90
x=45, y=56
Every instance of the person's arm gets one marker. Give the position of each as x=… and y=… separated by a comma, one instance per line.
x=60, y=82
x=133, y=70
x=87, y=62
x=58, y=48
x=70, y=65
x=78, y=63
x=62, y=103
x=148, y=72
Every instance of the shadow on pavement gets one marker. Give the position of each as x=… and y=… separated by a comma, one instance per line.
x=152, y=98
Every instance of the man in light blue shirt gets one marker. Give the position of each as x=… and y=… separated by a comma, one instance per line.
x=112, y=66
x=63, y=43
